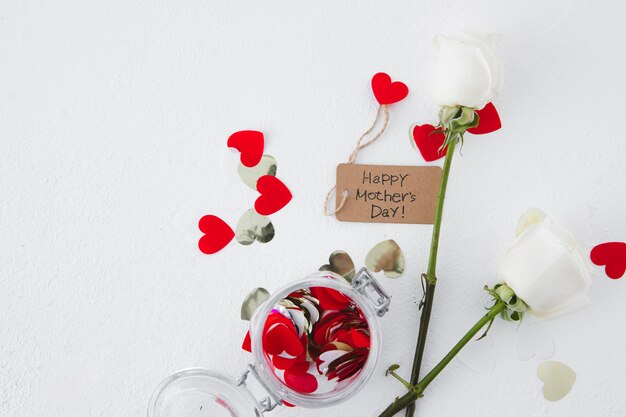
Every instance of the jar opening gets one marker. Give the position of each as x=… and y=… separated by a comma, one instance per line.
x=315, y=340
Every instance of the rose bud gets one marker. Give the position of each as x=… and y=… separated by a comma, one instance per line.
x=546, y=268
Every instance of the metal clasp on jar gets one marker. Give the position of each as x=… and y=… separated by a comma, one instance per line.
x=365, y=283
x=266, y=404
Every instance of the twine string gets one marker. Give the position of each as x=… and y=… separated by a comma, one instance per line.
x=359, y=145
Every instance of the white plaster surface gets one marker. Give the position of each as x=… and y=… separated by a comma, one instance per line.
x=113, y=122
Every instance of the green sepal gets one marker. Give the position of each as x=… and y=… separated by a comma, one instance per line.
x=515, y=306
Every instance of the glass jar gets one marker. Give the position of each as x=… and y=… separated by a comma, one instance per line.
x=202, y=392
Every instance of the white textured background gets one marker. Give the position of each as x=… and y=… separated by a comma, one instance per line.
x=113, y=119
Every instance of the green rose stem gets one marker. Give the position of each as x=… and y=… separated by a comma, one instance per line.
x=417, y=389
x=431, y=274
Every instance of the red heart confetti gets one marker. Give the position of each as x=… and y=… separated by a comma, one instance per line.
x=280, y=362
x=247, y=343
x=360, y=338
x=300, y=382
x=489, y=120
x=387, y=92
x=274, y=195
x=612, y=255
x=280, y=338
x=217, y=234
x=429, y=141
x=250, y=144
x=330, y=299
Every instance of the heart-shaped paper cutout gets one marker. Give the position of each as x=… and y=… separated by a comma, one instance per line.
x=488, y=120
x=533, y=341
x=612, y=255
x=558, y=379
x=302, y=382
x=478, y=356
x=575, y=219
x=250, y=144
x=280, y=338
x=340, y=263
x=528, y=218
x=250, y=175
x=217, y=234
x=253, y=300
x=387, y=92
x=254, y=227
x=386, y=256
x=330, y=299
x=428, y=140
x=247, y=343
x=274, y=195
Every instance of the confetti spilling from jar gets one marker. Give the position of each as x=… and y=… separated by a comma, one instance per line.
x=315, y=339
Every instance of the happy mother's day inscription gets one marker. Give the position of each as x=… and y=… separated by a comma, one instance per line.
x=388, y=193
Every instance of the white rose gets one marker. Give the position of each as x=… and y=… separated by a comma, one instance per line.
x=467, y=72
x=546, y=268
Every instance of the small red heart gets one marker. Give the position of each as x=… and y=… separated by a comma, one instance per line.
x=429, y=142
x=274, y=195
x=250, y=144
x=247, y=343
x=387, y=92
x=613, y=255
x=489, y=120
x=280, y=338
x=359, y=339
x=330, y=299
x=301, y=382
x=217, y=234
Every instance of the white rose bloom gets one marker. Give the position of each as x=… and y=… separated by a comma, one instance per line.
x=546, y=269
x=467, y=72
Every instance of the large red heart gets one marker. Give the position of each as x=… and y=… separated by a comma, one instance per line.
x=387, y=92
x=274, y=195
x=613, y=255
x=489, y=120
x=429, y=142
x=217, y=234
x=280, y=338
x=330, y=299
x=250, y=144
x=301, y=382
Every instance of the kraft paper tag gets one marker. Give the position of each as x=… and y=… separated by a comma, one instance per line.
x=388, y=193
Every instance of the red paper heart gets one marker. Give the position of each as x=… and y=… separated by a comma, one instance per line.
x=613, y=255
x=247, y=343
x=285, y=363
x=330, y=299
x=280, y=338
x=429, y=142
x=274, y=195
x=250, y=144
x=387, y=92
x=359, y=339
x=489, y=120
x=301, y=382
x=217, y=234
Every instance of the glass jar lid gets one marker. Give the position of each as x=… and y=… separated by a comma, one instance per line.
x=198, y=392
